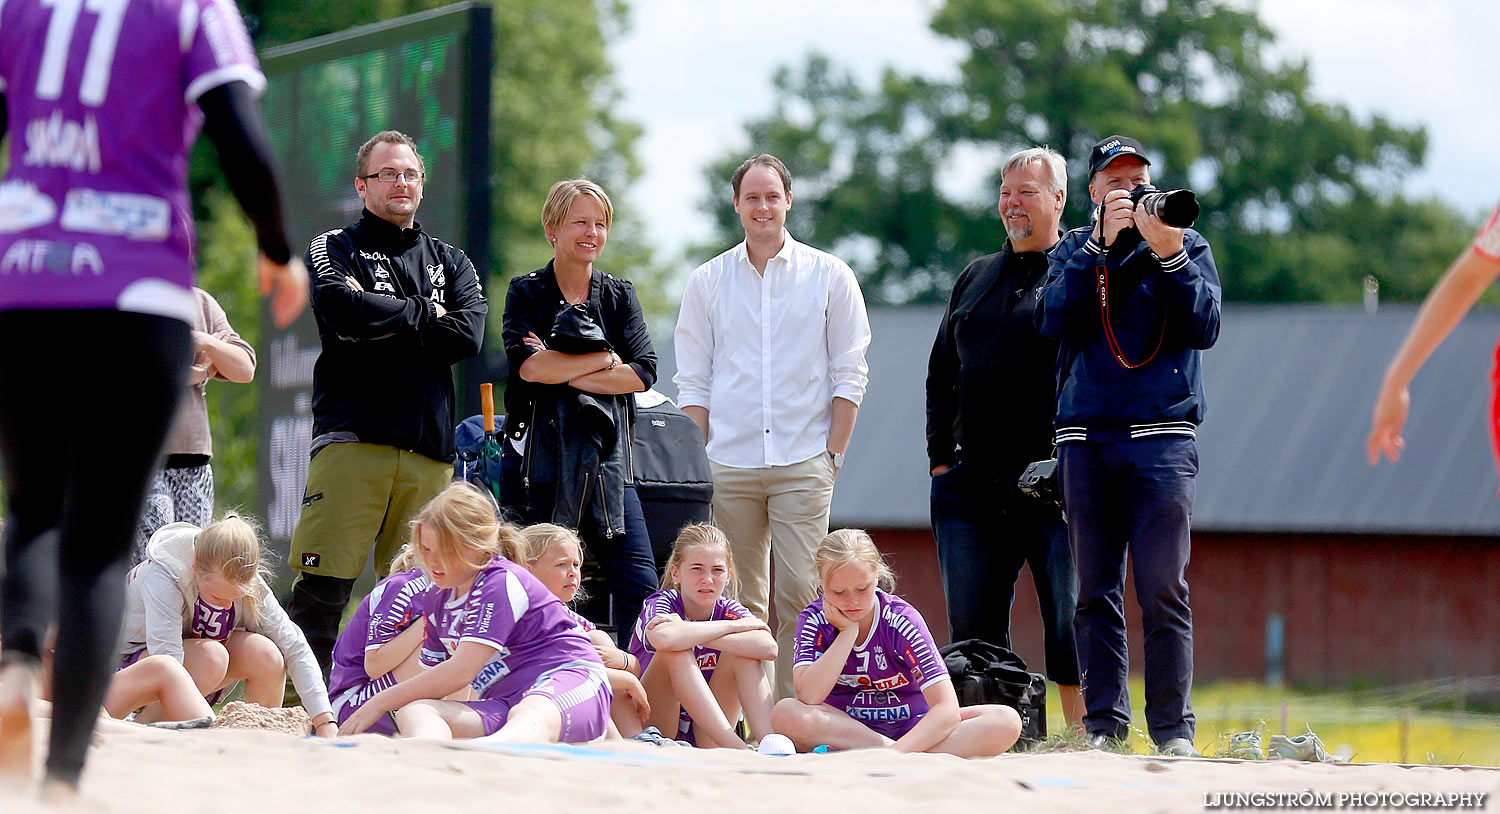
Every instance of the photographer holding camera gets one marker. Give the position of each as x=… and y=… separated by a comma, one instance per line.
x=1133, y=301
x=991, y=396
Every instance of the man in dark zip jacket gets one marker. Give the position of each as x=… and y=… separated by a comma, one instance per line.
x=1133, y=302
x=991, y=397
x=396, y=308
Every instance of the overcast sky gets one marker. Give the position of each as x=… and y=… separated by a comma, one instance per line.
x=694, y=71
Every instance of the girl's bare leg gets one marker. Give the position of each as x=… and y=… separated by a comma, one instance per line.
x=257, y=661
x=984, y=730
x=811, y=726
x=536, y=719
x=709, y=721
x=156, y=678
x=754, y=691
x=438, y=720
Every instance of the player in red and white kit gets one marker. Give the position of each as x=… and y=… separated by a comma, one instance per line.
x=1455, y=293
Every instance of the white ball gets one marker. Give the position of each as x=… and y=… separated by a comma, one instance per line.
x=774, y=744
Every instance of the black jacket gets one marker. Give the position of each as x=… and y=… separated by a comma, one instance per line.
x=1166, y=305
x=991, y=379
x=385, y=374
x=531, y=305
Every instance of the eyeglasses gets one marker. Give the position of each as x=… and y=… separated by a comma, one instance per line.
x=387, y=176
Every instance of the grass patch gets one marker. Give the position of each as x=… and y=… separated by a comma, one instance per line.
x=1347, y=722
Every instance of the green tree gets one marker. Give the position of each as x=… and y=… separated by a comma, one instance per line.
x=552, y=93
x=1295, y=190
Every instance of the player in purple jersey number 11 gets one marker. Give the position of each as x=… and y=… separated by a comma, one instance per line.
x=867, y=673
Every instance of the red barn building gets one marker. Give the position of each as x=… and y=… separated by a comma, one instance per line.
x=1306, y=560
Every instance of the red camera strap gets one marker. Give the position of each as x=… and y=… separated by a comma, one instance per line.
x=1101, y=273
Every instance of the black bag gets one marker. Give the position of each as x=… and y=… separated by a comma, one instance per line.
x=985, y=673
x=574, y=330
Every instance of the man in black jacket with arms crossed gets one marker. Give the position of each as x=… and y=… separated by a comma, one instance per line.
x=396, y=308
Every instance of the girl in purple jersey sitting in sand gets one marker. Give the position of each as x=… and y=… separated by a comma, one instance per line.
x=381, y=644
x=492, y=626
x=702, y=655
x=200, y=597
x=554, y=555
x=867, y=673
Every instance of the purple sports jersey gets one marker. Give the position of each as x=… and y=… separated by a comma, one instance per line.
x=102, y=103
x=670, y=601
x=211, y=621
x=882, y=681
x=588, y=627
x=390, y=608
x=531, y=630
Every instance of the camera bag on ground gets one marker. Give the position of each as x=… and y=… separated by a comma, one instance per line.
x=985, y=673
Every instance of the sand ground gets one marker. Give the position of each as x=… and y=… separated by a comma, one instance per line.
x=222, y=771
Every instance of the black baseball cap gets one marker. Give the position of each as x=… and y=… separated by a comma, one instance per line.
x=1111, y=148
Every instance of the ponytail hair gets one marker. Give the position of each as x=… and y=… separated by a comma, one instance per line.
x=846, y=546
x=463, y=520
x=230, y=548
x=405, y=559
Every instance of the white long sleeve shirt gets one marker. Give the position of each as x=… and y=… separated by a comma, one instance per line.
x=159, y=596
x=767, y=354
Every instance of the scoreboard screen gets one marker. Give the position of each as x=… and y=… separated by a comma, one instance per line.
x=426, y=75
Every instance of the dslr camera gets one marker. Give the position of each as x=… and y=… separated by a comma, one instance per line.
x=1040, y=481
x=1177, y=207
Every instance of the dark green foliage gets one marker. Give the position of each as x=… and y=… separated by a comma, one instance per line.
x=552, y=97
x=1302, y=199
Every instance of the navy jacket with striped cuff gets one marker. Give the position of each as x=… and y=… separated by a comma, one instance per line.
x=1175, y=299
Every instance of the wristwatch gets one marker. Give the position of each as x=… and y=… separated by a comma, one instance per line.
x=838, y=459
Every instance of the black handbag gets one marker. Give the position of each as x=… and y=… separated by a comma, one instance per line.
x=985, y=673
x=575, y=331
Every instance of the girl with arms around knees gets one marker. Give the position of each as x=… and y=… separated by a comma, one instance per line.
x=491, y=626
x=200, y=597
x=554, y=555
x=381, y=644
x=702, y=655
x=867, y=673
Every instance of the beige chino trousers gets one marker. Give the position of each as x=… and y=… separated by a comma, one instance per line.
x=776, y=513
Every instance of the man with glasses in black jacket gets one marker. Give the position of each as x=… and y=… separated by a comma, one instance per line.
x=396, y=309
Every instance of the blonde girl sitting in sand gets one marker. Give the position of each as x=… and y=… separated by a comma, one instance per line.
x=200, y=598
x=492, y=626
x=554, y=555
x=702, y=654
x=867, y=673
x=381, y=644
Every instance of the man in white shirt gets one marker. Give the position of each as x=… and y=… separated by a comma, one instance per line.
x=770, y=348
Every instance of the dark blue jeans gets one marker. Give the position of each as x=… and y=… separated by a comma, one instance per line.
x=629, y=566
x=1135, y=497
x=982, y=544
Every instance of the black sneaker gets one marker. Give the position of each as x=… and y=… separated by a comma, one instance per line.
x=1177, y=747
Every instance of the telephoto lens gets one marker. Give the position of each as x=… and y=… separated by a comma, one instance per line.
x=1178, y=207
